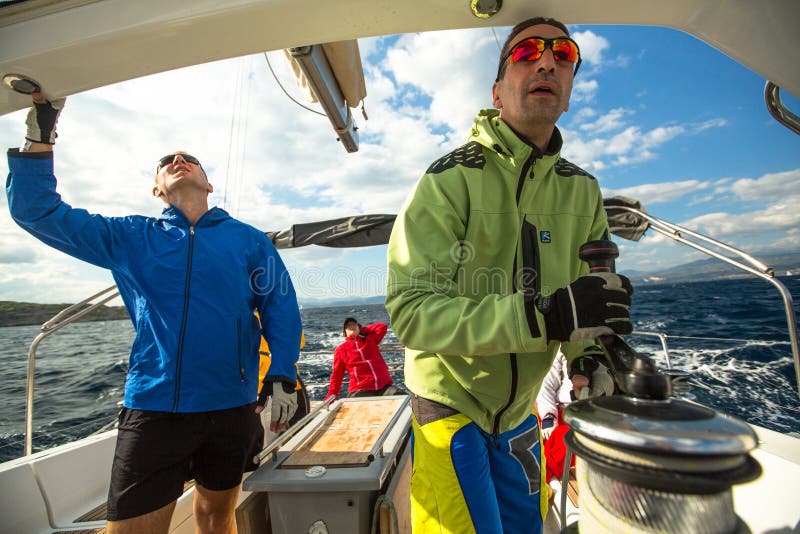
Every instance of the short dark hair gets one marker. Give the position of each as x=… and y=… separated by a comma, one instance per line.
x=516, y=30
x=346, y=322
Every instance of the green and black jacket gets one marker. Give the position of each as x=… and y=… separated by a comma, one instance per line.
x=488, y=227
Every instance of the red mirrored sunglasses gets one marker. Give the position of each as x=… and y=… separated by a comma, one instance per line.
x=532, y=48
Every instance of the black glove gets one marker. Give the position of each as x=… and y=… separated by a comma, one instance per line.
x=591, y=306
x=601, y=383
x=548, y=425
x=42, y=120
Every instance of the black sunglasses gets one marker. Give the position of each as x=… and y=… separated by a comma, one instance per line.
x=169, y=158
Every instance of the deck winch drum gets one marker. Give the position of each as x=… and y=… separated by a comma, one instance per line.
x=658, y=465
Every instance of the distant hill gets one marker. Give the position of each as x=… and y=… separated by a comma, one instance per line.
x=714, y=269
x=709, y=269
x=322, y=303
x=29, y=313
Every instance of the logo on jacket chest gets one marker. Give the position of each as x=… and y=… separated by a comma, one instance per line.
x=544, y=236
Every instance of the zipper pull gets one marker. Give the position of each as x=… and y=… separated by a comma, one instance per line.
x=191, y=230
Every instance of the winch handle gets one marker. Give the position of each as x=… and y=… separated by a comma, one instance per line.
x=634, y=373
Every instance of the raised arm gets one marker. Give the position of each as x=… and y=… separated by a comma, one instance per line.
x=37, y=207
x=375, y=332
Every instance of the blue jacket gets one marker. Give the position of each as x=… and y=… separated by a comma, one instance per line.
x=190, y=292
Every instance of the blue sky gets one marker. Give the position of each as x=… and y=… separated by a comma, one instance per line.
x=655, y=114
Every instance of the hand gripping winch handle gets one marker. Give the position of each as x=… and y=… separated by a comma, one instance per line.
x=633, y=373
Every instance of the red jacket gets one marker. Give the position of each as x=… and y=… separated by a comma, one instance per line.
x=363, y=361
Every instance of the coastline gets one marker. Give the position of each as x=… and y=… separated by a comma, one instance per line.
x=30, y=313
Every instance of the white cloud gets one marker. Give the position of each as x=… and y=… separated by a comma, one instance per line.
x=783, y=186
x=458, y=85
x=711, y=123
x=632, y=145
x=610, y=121
x=609, y=140
x=724, y=225
x=649, y=194
x=584, y=90
x=592, y=46
x=583, y=114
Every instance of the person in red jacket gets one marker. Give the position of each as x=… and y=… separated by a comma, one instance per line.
x=360, y=356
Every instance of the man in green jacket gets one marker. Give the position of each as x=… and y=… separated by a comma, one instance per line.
x=485, y=284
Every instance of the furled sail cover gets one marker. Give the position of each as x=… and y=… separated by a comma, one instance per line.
x=356, y=231
x=622, y=222
x=374, y=229
x=345, y=61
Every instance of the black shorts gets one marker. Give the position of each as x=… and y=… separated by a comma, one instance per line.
x=157, y=452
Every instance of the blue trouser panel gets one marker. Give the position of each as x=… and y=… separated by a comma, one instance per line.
x=464, y=480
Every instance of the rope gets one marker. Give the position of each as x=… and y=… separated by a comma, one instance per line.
x=286, y=92
x=383, y=499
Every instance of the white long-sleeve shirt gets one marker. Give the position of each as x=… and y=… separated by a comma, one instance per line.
x=556, y=388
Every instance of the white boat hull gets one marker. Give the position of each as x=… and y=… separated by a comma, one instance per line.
x=49, y=490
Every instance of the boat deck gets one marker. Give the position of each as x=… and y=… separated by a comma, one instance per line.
x=100, y=513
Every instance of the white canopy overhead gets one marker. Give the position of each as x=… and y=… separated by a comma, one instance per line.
x=71, y=46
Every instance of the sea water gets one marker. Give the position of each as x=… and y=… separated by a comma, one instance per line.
x=748, y=372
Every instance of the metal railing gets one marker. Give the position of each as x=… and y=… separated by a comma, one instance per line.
x=60, y=320
x=772, y=97
x=749, y=264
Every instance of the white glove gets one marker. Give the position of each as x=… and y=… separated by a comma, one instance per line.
x=284, y=405
x=41, y=120
x=601, y=383
x=548, y=425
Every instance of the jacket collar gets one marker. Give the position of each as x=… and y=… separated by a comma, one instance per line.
x=175, y=217
x=494, y=133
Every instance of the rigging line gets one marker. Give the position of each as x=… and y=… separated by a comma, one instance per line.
x=247, y=84
x=236, y=92
x=286, y=92
x=496, y=40
x=244, y=105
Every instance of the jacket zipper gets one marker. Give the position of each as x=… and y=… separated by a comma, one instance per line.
x=369, y=364
x=242, y=372
x=187, y=285
x=531, y=281
x=513, y=356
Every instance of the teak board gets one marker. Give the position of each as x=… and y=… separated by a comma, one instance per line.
x=347, y=436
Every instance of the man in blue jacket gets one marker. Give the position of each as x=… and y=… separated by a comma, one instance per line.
x=191, y=280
